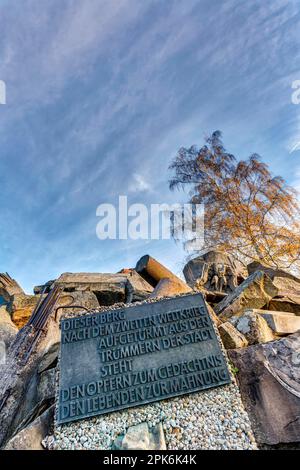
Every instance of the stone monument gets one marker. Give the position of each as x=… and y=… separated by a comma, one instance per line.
x=136, y=355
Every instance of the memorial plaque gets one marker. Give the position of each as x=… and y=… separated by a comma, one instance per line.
x=137, y=355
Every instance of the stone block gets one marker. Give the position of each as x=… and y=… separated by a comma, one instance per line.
x=231, y=337
x=255, y=292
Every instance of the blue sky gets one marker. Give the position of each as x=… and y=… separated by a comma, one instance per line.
x=101, y=94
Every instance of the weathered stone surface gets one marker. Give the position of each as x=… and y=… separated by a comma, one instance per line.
x=70, y=302
x=136, y=438
x=46, y=386
x=81, y=361
x=139, y=437
x=31, y=437
x=282, y=323
x=22, y=306
x=285, y=282
x=231, y=337
x=24, y=301
x=3, y=301
x=212, y=314
x=157, y=438
x=169, y=287
x=255, y=292
x=153, y=271
x=51, y=337
x=44, y=288
x=289, y=303
x=269, y=380
x=39, y=395
x=137, y=288
x=21, y=316
x=213, y=271
x=8, y=330
x=108, y=288
x=49, y=357
x=253, y=327
x=19, y=382
x=286, y=286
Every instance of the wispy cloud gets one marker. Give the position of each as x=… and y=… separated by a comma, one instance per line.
x=296, y=180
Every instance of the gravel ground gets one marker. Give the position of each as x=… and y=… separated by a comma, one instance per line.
x=212, y=419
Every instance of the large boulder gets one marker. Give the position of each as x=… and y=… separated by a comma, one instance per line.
x=231, y=337
x=281, y=323
x=21, y=392
x=49, y=358
x=253, y=326
x=269, y=381
x=21, y=316
x=255, y=292
x=212, y=314
x=153, y=272
x=137, y=288
x=44, y=288
x=72, y=302
x=32, y=436
x=8, y=330
x=9, y=287
x=22, y=306
x=169, y=288
x=285, y=282
x=214, y=271
x=45, y=391
x=24, y=301
x=108, y=288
